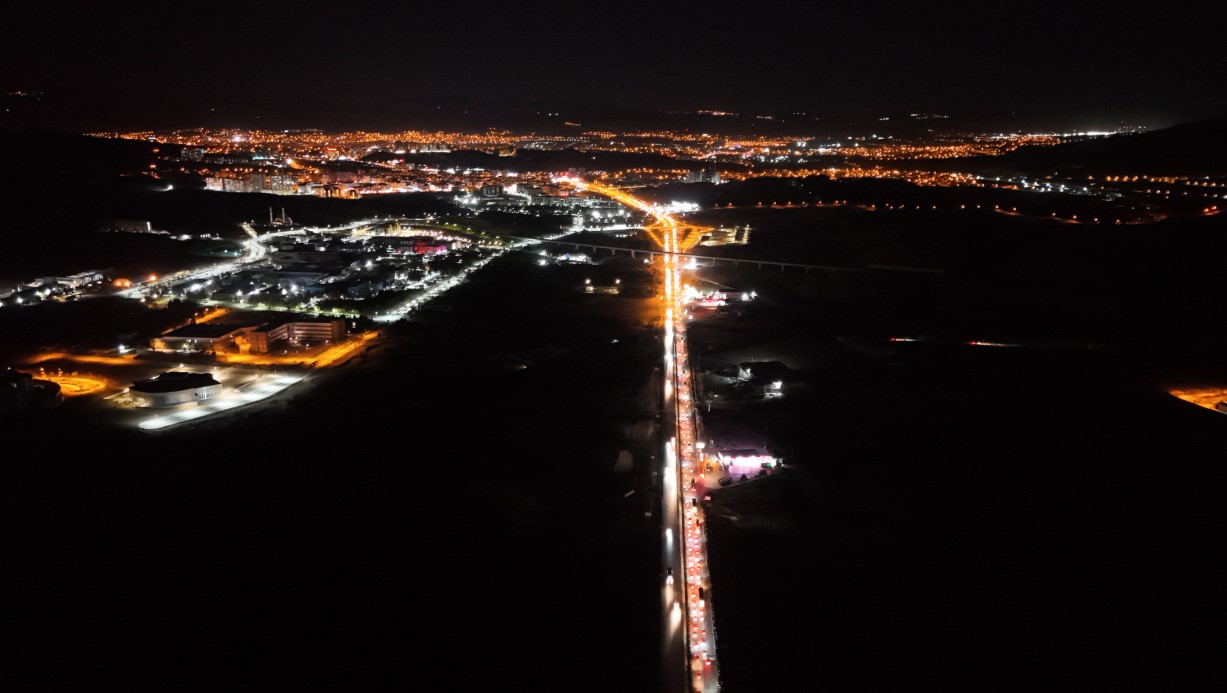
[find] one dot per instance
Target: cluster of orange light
(759, 143)
(642, 176)
(979, 147)
(670, 143)
(1204, 182)
(1208, 397)
(889, 150)
(691, 467)
(396, 178)
(670, 135)
(352, 144)
(938, 178)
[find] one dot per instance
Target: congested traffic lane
(694, 636)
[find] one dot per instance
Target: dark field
(46, 233)
(971, 518)
(442, 516)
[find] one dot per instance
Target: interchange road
(689, 647)
(256, 252)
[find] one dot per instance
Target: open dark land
(442, 513)
(973, 517)
(445, 513)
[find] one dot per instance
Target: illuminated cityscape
(657, 348)
(285, 299)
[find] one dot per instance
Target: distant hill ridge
(34, 154)
(1193, 148)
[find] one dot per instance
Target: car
(669, 577)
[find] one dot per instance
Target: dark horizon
(467, 114)
(152, 67)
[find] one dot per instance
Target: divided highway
(689, 646)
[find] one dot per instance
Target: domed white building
(175, 387)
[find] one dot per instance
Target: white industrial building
(175, 387)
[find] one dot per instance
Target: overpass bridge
(698, 260)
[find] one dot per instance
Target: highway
(695, 261)
(689, 629)
(256, 252)
(670, 234)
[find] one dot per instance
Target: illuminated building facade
(738, 235)
(197, 338)
(175, 387)
(266, 338)
(20, 390)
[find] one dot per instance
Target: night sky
(145, 64)
(444, 516)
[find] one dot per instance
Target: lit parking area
(260, 389)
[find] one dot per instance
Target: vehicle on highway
(669, 577)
